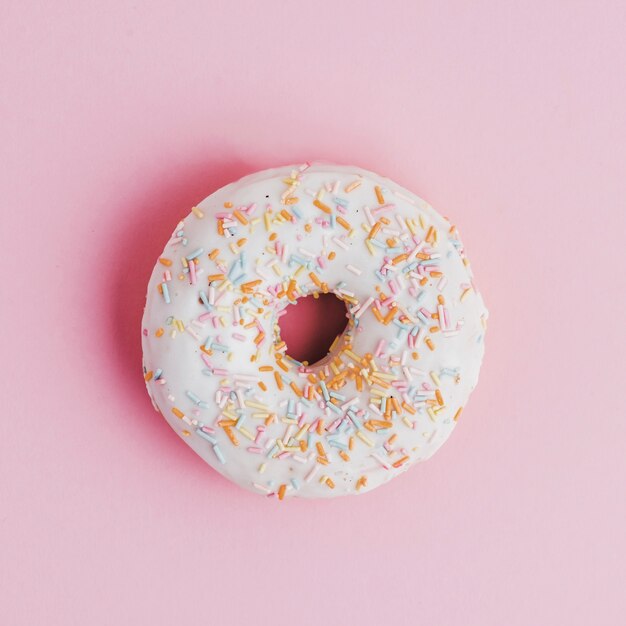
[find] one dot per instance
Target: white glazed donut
(393, 385)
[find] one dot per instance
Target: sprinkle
(379, 195)
(322, 206)
(218, 454)
(352, 186)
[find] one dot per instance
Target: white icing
(189, 385)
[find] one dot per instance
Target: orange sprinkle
(409, 408)
(343, 223)
(281, 491)
(315, 279)
(164, 261)
(379, 195)
(390, 315)
(439, 397)
(231, 435)
(250, 285)
(240, 217)
(401, 461)
(322, 206)
(279, 380)
(374, 230)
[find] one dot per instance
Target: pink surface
(116, 117)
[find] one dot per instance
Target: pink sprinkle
(380, 347)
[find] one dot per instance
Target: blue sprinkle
(206, 436)
(333, 407)
(337, 444)
(194, 254)
(324, 390)
(205, 301)
(218, 454)
(193, 397)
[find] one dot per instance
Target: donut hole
(310, 326)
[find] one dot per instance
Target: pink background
(116, 117)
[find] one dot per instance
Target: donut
(393, 385)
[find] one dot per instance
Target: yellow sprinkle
(465, 294)
(365, 439)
